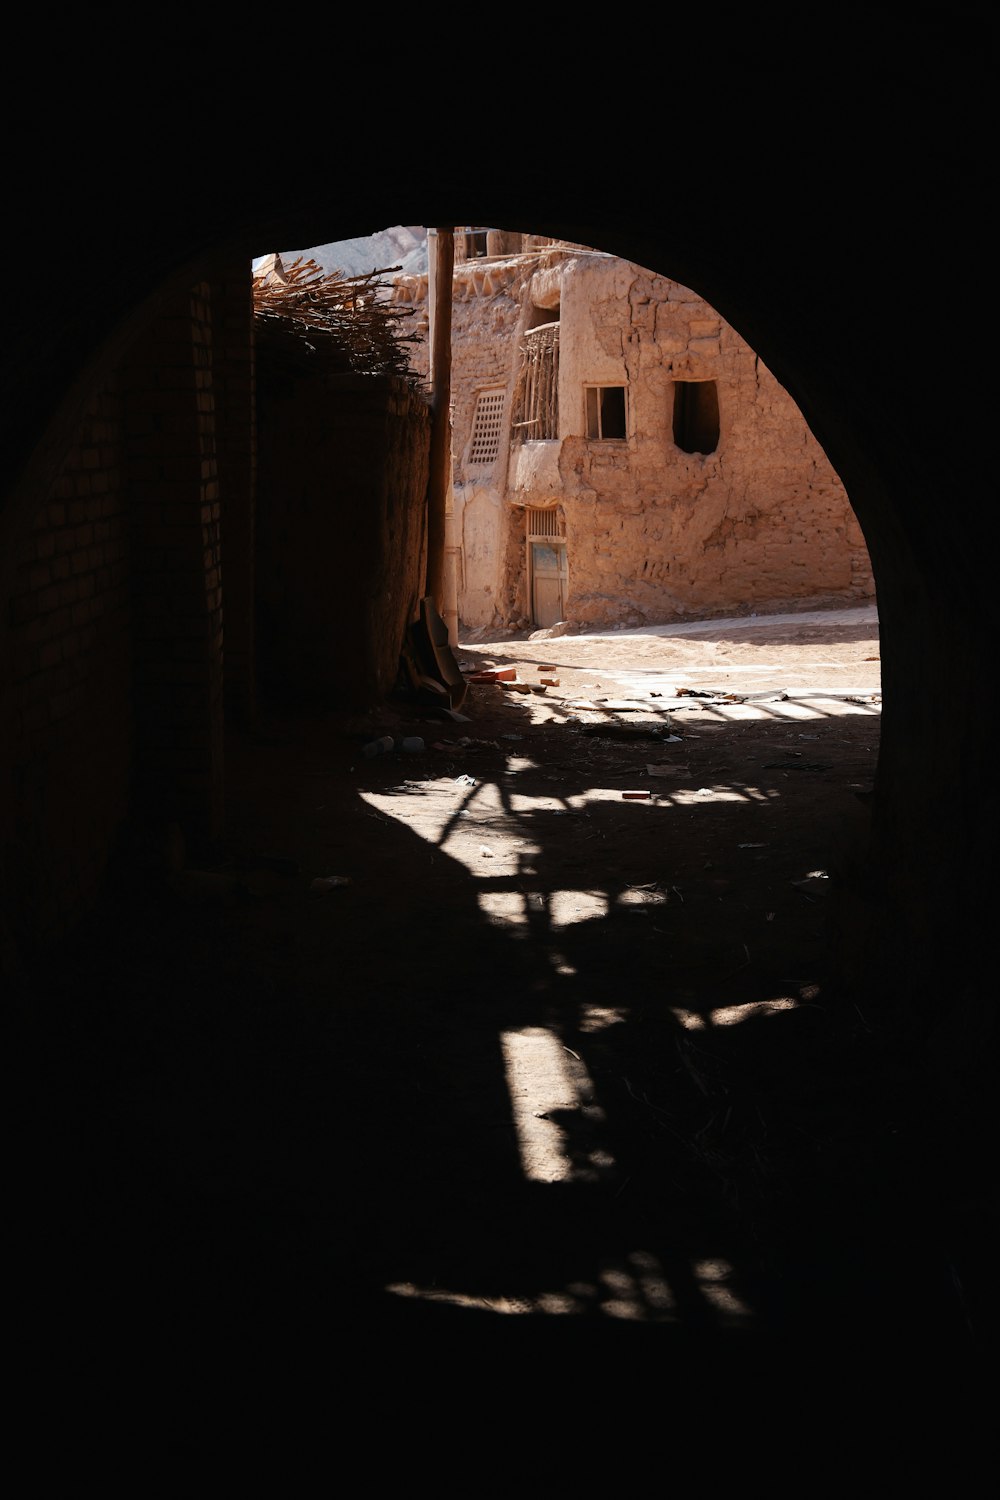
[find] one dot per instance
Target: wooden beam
(439, 478)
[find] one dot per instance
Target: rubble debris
(494, 674)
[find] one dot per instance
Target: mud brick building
(621, 456)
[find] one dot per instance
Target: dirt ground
(559, 1056)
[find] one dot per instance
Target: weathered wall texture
(342, 485)
(652, 532)
(487, 314)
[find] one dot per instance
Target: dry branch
(306, 317)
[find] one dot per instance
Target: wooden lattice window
(486, 427)
(536, 411)
(544, 524)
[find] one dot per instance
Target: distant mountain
(404, 245)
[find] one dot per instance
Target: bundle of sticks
(305, 315)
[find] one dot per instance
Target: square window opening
(696, 415)
(606, 413)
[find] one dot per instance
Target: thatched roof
(308, 319)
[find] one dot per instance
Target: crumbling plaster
(653, 533)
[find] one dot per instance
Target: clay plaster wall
(487, 315)
(653, 533)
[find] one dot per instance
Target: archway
(788, 278)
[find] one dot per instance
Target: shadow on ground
(255, 1120)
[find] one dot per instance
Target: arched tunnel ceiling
(812, 187)
(820, 184)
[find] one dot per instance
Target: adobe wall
(487, 315)
(654, 532)
(342, 488)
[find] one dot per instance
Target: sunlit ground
(491, 828)
(487, 827)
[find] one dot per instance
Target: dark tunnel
(855, 266)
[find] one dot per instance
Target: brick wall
(69, 689)
(111, 637)
(170, 455)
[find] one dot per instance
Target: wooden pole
(442, 246)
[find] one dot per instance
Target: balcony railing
(536, 396)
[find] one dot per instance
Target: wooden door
(549, 578)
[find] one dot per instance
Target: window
(605, 412)
(696, 415)
(475, 244)
(485, 442)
